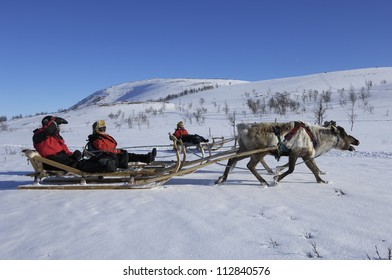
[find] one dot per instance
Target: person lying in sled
(50, 144)
(103, 145)
(181, 133)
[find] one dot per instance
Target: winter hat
(180, 124)
(46, 119)
(99, 125)
(57, 120)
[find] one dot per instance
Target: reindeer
(300, 141)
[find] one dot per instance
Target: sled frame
(135, 176)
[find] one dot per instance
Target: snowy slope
(153, 89)
(190, 217)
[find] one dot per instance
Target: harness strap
(297, 126)
(282, 148)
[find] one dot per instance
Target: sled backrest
(89, 151)
(31, 155)
(37, 162)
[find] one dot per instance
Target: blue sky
(54, 53)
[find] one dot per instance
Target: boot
(139, 158)
(153, 155)
(146, 158)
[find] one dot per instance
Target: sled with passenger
(136, 176)
(205, 148)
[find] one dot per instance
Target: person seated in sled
(103, 145)
(188, 139)
(51, 145)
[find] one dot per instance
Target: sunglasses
(102, 129)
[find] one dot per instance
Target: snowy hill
(190, 217)
(169, 89)
(151, 90)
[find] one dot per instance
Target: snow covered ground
(189, 217)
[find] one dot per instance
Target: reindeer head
(345, 141)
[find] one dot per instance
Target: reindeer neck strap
(297, 126)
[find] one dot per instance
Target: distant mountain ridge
(160, 89)
(151, 90)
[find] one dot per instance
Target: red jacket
(104, 142)
(179, 132)
(47, 141)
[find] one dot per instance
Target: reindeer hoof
(322, 182)
(220, 180)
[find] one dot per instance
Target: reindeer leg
(230, 165)
(266, 167)
(311, 164)
(319, 171)
(281, 167)
(292, 161)
(254, 160)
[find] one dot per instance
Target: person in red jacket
(181, 133)
(102, 144)
(50, 144)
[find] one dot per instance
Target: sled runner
(134, 177)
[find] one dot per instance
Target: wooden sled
(134, 177)
(203, 148)
(219, 142)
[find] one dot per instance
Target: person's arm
(41, 134)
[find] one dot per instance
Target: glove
(77, 155)
(59, 120)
